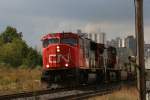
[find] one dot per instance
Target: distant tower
(98, 37)
(102, 38)
(119, 41)
(130, 42)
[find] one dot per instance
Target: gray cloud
(72, 9)
(36, 17)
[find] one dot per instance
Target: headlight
(58, 50)
(58, 47)
(66, 65)
(47, 66)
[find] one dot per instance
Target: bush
(15, 52)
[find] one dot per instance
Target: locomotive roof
(59, 35)
(67, 34)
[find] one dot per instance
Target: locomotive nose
(59, 56)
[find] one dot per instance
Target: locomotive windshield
(50, 41)
(70, 41)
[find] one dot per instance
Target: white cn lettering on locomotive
(53, 58)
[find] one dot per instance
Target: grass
(19, 80)
(126, 93)
(23, 79)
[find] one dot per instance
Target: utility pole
(139, 30)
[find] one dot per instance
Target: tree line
(15, 52)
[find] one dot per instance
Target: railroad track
(70, 93)
(32, 94)
(107, 89)
(39, 93)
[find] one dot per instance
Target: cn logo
(53, 58)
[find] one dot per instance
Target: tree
(9, 34)
(15, 52)
(1, 41)
(33, 58)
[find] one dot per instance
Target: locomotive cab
(59, 51)
(60, 56)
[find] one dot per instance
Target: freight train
(72, 57)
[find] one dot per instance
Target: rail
(89, 93)
(69, 93)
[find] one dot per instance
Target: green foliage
(9, 34)
(31, 58)
(15, 52)
(1, 41)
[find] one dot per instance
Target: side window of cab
(45, 43)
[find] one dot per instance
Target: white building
(98, 37)
(117, 42)
(147, 63)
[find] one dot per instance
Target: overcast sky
(37, 17)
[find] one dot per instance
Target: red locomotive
(70, 56)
